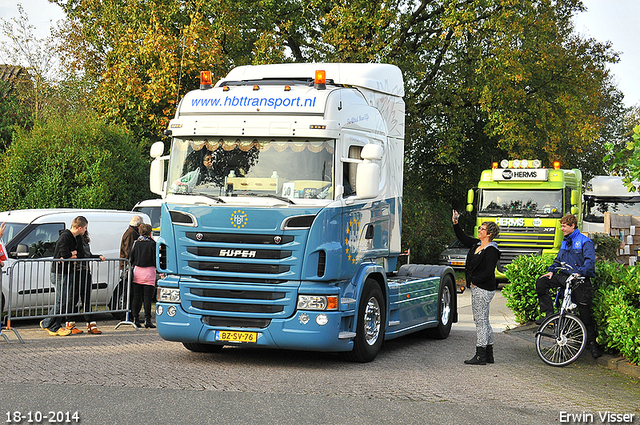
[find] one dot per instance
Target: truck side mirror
(368, 175)
(156, 172)
(575, 199)
(470, 196)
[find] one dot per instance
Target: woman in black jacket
(143, 261)
(479, 270)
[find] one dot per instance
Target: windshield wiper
(207, 195)
(269, 195)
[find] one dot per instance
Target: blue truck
(281, 220)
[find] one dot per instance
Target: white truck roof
(604, 186)
(379, 77)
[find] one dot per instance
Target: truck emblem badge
(537, 222)
(239, 219)
(277, 239)
(199, 236)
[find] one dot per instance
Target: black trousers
(583, 296)
(142, 294)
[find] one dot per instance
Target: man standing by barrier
(62, 276)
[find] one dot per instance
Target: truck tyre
(370, 324)
(445, 309)
(196, 347)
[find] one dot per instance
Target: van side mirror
(22, 251)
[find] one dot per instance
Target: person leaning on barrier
(129, 237)
(578, 251)
(62, 276)
(83, 284)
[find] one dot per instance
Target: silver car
(455, 255)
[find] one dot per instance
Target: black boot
(480, 357)
(489, 353)
(149, 325)
(136, 321)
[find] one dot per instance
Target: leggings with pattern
(480, 300)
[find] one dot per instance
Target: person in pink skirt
(143, 261)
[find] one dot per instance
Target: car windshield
(529, 203)
(595, 208)
(11, 230)
(291, 168)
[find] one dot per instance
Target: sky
(605, 20)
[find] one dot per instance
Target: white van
(32, 234)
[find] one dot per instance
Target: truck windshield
(528, 203)
(291, 168)
(596, 207)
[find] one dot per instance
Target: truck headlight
(317, 302)
(168, 295)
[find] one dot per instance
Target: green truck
(527, 201)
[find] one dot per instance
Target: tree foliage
(76, 161)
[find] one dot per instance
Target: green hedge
(616, 303)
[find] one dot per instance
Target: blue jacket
(577, 250)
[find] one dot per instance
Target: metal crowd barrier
(92, 286)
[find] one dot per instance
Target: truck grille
(507, 255)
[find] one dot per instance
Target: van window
(11, 230)
(153, 213)
(41, 240)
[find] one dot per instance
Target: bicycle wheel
(560, 341)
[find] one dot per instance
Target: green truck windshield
(526, 203)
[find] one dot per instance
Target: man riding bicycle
(576, 250)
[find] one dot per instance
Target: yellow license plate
(230, 336)
(457, 263)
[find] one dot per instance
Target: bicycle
(561, 338)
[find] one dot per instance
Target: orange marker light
(556, 165)
(256, 87)
(332, 303)
(494, 165)
(205, 79)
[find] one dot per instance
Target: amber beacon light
(205, 80)
(320, 80)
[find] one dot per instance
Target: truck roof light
(516, 163)
(320, 80)
(205, 80)
(504, 163)
(494, 165)
(225, 88)
(556, 165)
(536, 163)
(525, 163)
(256, 87)
(287, 88)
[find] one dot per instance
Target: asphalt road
(127, 376)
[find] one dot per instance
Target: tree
(626, 161)
(39, 56)
(73, 161)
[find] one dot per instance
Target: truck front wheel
(370, 326)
